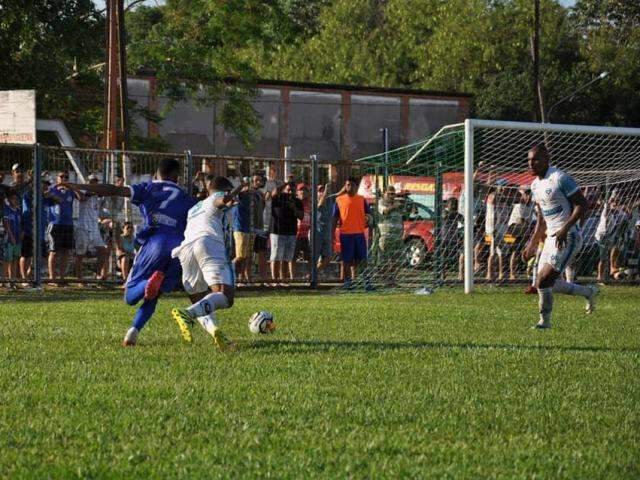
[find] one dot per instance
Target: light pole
(571, 95)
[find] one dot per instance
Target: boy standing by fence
(12, 223)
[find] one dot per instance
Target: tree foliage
(196, 47)
(42, 42)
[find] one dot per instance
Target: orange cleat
(152, 290)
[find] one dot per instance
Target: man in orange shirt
(350, 213)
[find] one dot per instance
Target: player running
(560, 206)
(164, 206)
(207, 271)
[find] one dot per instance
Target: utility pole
(116, 121)
(535, 53)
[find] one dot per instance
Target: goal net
(421, 194)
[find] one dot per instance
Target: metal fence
(27, 261)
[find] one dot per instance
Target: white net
(606, 165)
(417, 238)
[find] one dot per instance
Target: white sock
(209, 323)
(569, 288)
(545, 296)
(570, 274)
(210, 303)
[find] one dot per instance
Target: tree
(46, 45)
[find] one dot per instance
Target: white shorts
(283, 247)
(88, 240)
(204, 265)
(560, 259)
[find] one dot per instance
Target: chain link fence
(99, 248)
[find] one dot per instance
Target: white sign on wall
(18, 116)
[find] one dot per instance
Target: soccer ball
(261, 322)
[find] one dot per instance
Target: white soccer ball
(261, 322)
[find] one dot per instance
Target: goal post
(463, 209)
(495, 156)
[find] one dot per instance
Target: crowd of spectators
(86, 235)
(79, 231)
(611, 233)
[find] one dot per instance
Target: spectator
(390, 227)
(60, 228)
(606, 236)
(452, 237)
(27, 228)
(495, 226)
(261, 234)
(12, 223)
(351, 215)
(587, 259)
(286, 210)
(620, 235)
(632, 270)
(125, 249)
(19, 183)
(87, 233)
(115, 205)
(304, 225)
(242, 232)
(326, 204)
(519, 227)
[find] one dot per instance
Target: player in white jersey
(560, 206)
(207, 271)
(87, 232)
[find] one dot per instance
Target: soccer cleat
(591, 301)
(152, 289)
(542, 325)
(271, 327)
(184, 321)
(223, 342)
(531, 290)
(131, 337)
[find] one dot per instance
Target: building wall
(339, 123)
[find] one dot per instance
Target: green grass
(447, 386)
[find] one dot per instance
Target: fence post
(314, 221)
(385, 149)
(189, 171)
(37, 220)
(126, 177)
(437, 253)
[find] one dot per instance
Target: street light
(571, 95)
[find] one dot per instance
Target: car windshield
(416, 211)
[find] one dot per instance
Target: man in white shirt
(205, 255)
(560, 206)
(87, 231)
(518, 227)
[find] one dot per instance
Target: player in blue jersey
(164, 206)
(560, 206)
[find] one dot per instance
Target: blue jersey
(61, 210)
(27, 214)
(164, 206)
(242, 213)
(13, 216)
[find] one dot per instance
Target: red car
(417, 233)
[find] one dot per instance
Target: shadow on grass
(61, 296)
(328, 345)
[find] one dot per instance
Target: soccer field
(362, 386)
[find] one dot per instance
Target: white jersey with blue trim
(552, 194)
(206, 220)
